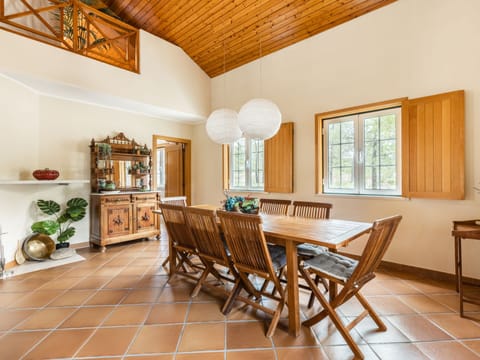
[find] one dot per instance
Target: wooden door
(174, 170)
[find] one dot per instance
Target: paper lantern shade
(259, 119)
(222, 126)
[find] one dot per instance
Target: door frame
(187, 162)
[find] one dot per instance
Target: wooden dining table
(290, 231)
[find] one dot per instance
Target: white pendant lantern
(222, 126)
(259, 119)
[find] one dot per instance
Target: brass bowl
(38, 247)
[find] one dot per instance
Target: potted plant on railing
(74, 211)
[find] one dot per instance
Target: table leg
(457, 240)
(459, 271)
(292, 289)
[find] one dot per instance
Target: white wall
(409, 48)
(40, 131)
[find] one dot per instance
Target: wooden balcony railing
(74, 26)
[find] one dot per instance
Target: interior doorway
(172, 166)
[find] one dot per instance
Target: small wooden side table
(468, 229)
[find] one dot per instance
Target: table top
(469, 229)
(331, 233)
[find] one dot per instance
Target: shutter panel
(433, 147)
(279, 161)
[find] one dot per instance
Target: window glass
(247, 164)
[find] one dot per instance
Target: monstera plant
(75, 210)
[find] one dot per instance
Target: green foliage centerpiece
(241, 204)
(75, 211)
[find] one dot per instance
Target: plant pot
(62, 245)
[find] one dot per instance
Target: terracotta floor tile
(108, 270)
(107, 297)
(87, 317)
(268, 354)
(123, 282)
(389, 305)
(11, 285)
(337, 352)
(108, 342)
(203, 337)
(418, 328)
(375, 288)
(242, 335)
(205, 312)
(128, 315)
(151, 281)
(201, 356)
(432, 287)
(48, 318)
(151, 357)
(175, 294)
(452, 301)
(398, 287)
(8, 298)
(301, 353)
(424, 304)
(456, 326)
(72, 298)
(167, 314)
(133, 270)
(36, 299)
(446, 350)
(156, 339)
(142, 296)
(60, 344)
(473, 345)
(368, 330)
(14, 345)
(59, 284)
(281, 337)
(10, 319)
(399, 352)
(92, 282)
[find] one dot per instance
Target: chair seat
(278, 255)
(310, 250)
(335, 265)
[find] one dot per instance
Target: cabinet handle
(117, 220)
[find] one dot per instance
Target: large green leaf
(77, 202)
(67, 234)
(48, 227)
(62, 219)
(48, 207)
(76, 213)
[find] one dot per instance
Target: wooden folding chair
(181, 240)
(210, 247)
(274, 206)
(312, 210)
(173, 200)
(252, 256)
(352, 275)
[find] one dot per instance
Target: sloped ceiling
(220, 35)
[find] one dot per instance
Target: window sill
(366, 196)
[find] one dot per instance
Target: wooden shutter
(174, 170)
(279, 161)
(433, 148)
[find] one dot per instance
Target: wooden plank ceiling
(220, 35)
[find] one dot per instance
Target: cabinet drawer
(144, 197)
(115, 199)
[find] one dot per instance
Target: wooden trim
(82, 245)
(187, 162)
(10, 264)
(381, 105)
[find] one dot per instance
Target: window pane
(348, 153)
(371, 129)
(371, 153)
(347, 178)
(334, 156)
(388, 177)
(347, 132)
(334, 133)
(388, 152)
(335, 180)
(388, 127)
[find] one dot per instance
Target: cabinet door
(145, 218)
(118, 220)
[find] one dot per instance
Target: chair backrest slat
(274, 206)
(246, 242)
(204, 227)
(177, 229)
(174, 200)
(313, 210)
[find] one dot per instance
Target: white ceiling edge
(73, 93)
